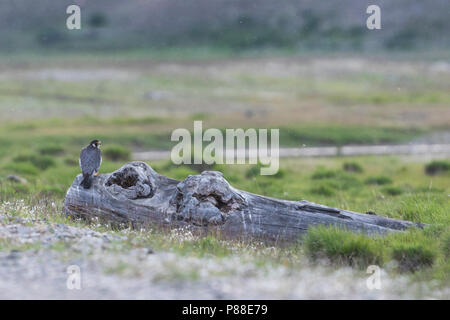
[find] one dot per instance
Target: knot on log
(134, 180)
(205, 199)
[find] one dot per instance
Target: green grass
(412, 251)
(255, 170)
(422, 198)
(392, 191)
(323, 190)
(24, 168)
(341, 135)
(413, 257)
(52, 119)
(437, 167)
(42, 162)
(423, 253)
(352, 167)
(342, 247)
(378, 180)
(323, 174)
(116, 153)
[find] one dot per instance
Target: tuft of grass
(341, 135)
(437, 167)
(413, 257)
(11, 190)
(51, 149)
(180, 172)
(205, 246)
(413, 250)
(378, 180)
(333, 180)
(352, 167)
(446, 245)
(26, 168)
(200, 167)
(39, 161)
(43, 162)
(323, 174)
(255, 171)
(116, 153)
(134, 121)
(323, 190)
(71, 161)
(392, 191)
(279, 175)
(342, 247)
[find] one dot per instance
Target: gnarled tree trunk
(136, 194)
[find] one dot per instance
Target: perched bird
(90, 161)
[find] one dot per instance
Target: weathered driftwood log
(136, 194)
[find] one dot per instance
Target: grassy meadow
(53, 106)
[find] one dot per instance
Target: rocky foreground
(36, 255)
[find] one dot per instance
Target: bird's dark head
(95, 143)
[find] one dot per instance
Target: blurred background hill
(234, 25)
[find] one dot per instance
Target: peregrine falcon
(90, 161)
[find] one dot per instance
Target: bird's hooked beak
(99, 143)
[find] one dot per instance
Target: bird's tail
(87, 181)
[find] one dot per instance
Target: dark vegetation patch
(378, 180)
(327, 180)
(116, 153)
(413, 250)
(342, 247)
(39, 161)
(322, 190)
(342, 135)
(25, 168)
(392, 190)
(51, 149)
(437, 167)
(255, 171)
(446, 244)
(352, 167)
(323, 174)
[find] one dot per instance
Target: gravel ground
(40, 270)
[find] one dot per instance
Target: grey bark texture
(136, 194)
